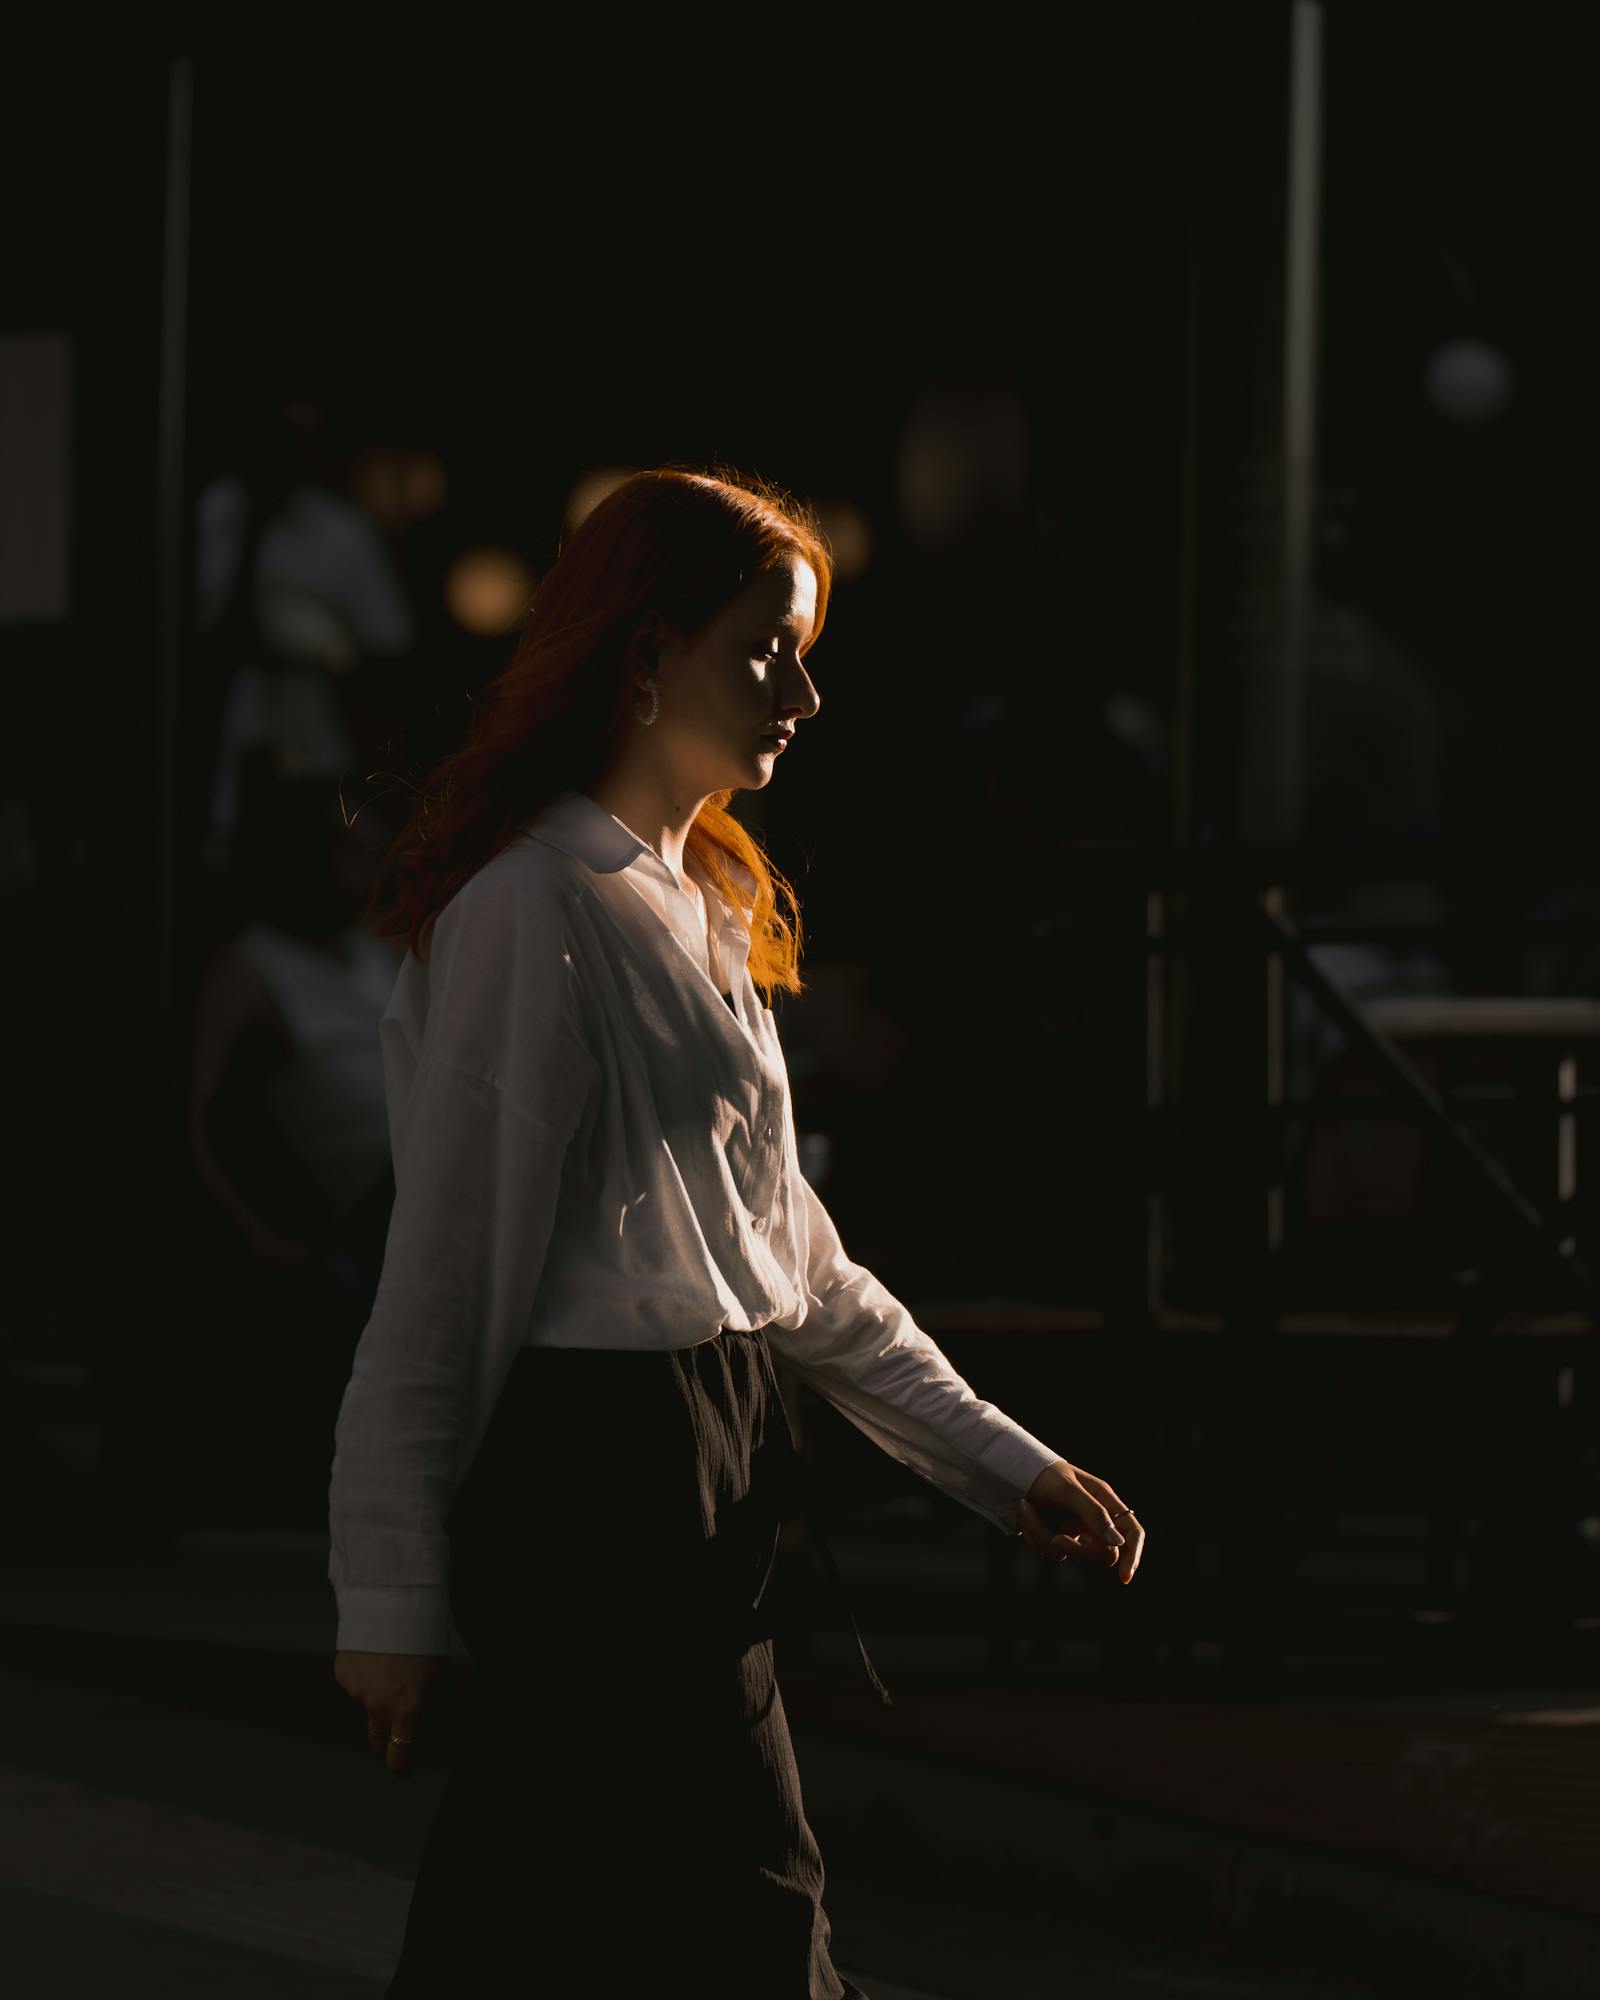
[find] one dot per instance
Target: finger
(1103, 1491)
(1114, 1521)
(1033, 1529)
(1087, 1548)
(1096, 1521)
(1092, 1511)
(1111, 1528)
(401, 1739)
(1059, 1544)
(377, 1728)
(1125, 1560)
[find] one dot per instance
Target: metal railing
(1318, 1478)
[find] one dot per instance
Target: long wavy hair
(674, 540)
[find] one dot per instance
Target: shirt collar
(582, 827)
(579, 826)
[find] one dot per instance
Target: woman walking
(562, 1426)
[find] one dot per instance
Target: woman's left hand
(1068, 1512)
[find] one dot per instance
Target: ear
(643, 654)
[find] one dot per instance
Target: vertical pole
(1157, 1142)
(1285, 784)
(1567, 1138)
(169, 533)
(1183, 731)
(1303, 213)
(142, 1461)
(161, 1370)
(1168, 1008)
(1275, 1093)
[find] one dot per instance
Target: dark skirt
(625, 1816)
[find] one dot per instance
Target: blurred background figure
(289, 1140)
(294, 588)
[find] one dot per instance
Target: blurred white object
(327, 1096)
(299, 626)
(1468, 381)
(317, 545)
(816, 1156)
(326, 594)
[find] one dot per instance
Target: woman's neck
(645, 810)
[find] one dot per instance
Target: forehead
(785, 594)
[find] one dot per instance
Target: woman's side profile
(562, 1428)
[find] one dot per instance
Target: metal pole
(1299, 404)
(169, 528)
(171, 873)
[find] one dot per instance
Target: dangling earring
(655, 704)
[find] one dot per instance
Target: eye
(761, 655)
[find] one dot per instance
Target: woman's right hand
(392, 1688)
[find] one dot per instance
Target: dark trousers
(626, 1816)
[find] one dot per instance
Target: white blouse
(592, 1148)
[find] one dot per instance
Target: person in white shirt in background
(321, 592)
(289, 1141)
(595, 1163)
(303, 977)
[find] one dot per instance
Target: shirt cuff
(1009, 1464)
(378, 1618)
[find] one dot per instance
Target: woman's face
(724, 692)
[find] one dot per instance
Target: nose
(800, 694)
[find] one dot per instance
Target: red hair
(672, 540)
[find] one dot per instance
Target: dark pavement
(189, 1808)
(148, 1851)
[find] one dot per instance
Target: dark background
(534, 248)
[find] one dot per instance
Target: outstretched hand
(1068, 1513)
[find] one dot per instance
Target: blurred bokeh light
(488, 591)
(398, 487)
(849, 534)
(592, 488)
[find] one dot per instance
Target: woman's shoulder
(525, 868)
(526, 886)
(506, 962)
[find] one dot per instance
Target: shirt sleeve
(370, 592)
(502, 1076)
(859, 1347)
